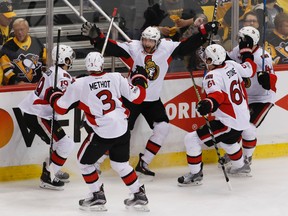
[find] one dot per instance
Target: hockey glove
(210, 27)
(90, 30)
(52, 94)
(264, 79)
(139, 77)
(245, 47)
(207, 105)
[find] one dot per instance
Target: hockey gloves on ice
(139, 77)
(264, 79)
(207, 106)
(245, 47)
(52, 94)
(90, 30)
(208, 28)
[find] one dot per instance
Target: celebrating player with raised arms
(155, 55)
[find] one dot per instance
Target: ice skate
(46, 183)
(138, 202)
(242, 171)
(190, 179)
(248, 160)
(142, 167)
(63, 176)
(95, 202)
(225, 160)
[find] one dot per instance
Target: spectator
(276, 41)
(6, 16)
(272, 9)
(251, 19)
(23, 56)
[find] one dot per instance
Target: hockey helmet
(214, 54)
(65, 52)
(251, 32)
(94, 61)
(152, 33)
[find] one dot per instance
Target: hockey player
(261, 88)
(38, 115)
(155, 55)
(226, 98)
(99, 96)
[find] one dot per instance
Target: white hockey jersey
(156, 63)
(256, 93)
(226, 86)
(34, 103)
(100, 97)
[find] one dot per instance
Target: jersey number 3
(106, 97)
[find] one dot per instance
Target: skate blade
(98, 208)
(197, 183)
(240, 175)
(140, 208)
(144, 178)
(64, 180)
(50, 187)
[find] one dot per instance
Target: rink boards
(22, 153)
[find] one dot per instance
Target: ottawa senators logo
(28, 64)
(151, 68)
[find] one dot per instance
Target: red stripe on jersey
(58, 109)
(130, 178)
(40, 101)
(236, 156)
(129, 62)
(141, 96)
(169, 60)
(192, 160)
(227, 107)
(218, 96)
(89, 116)
(84, 144)
(55, 158)
(91, 178)
(273, 80)
(253, 64)
(249, 143)
(152, 147)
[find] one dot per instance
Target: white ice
(265, 194)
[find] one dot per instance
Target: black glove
(264, 79)
(245, 47)
(139, 77)
(204, 106)
(210, 27)
(90, 30)
(52, 94)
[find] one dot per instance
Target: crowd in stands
(28, 56)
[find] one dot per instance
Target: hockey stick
(264, 37)
(108, 32)
(220, 160)
(53, 111)
(103, 49)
